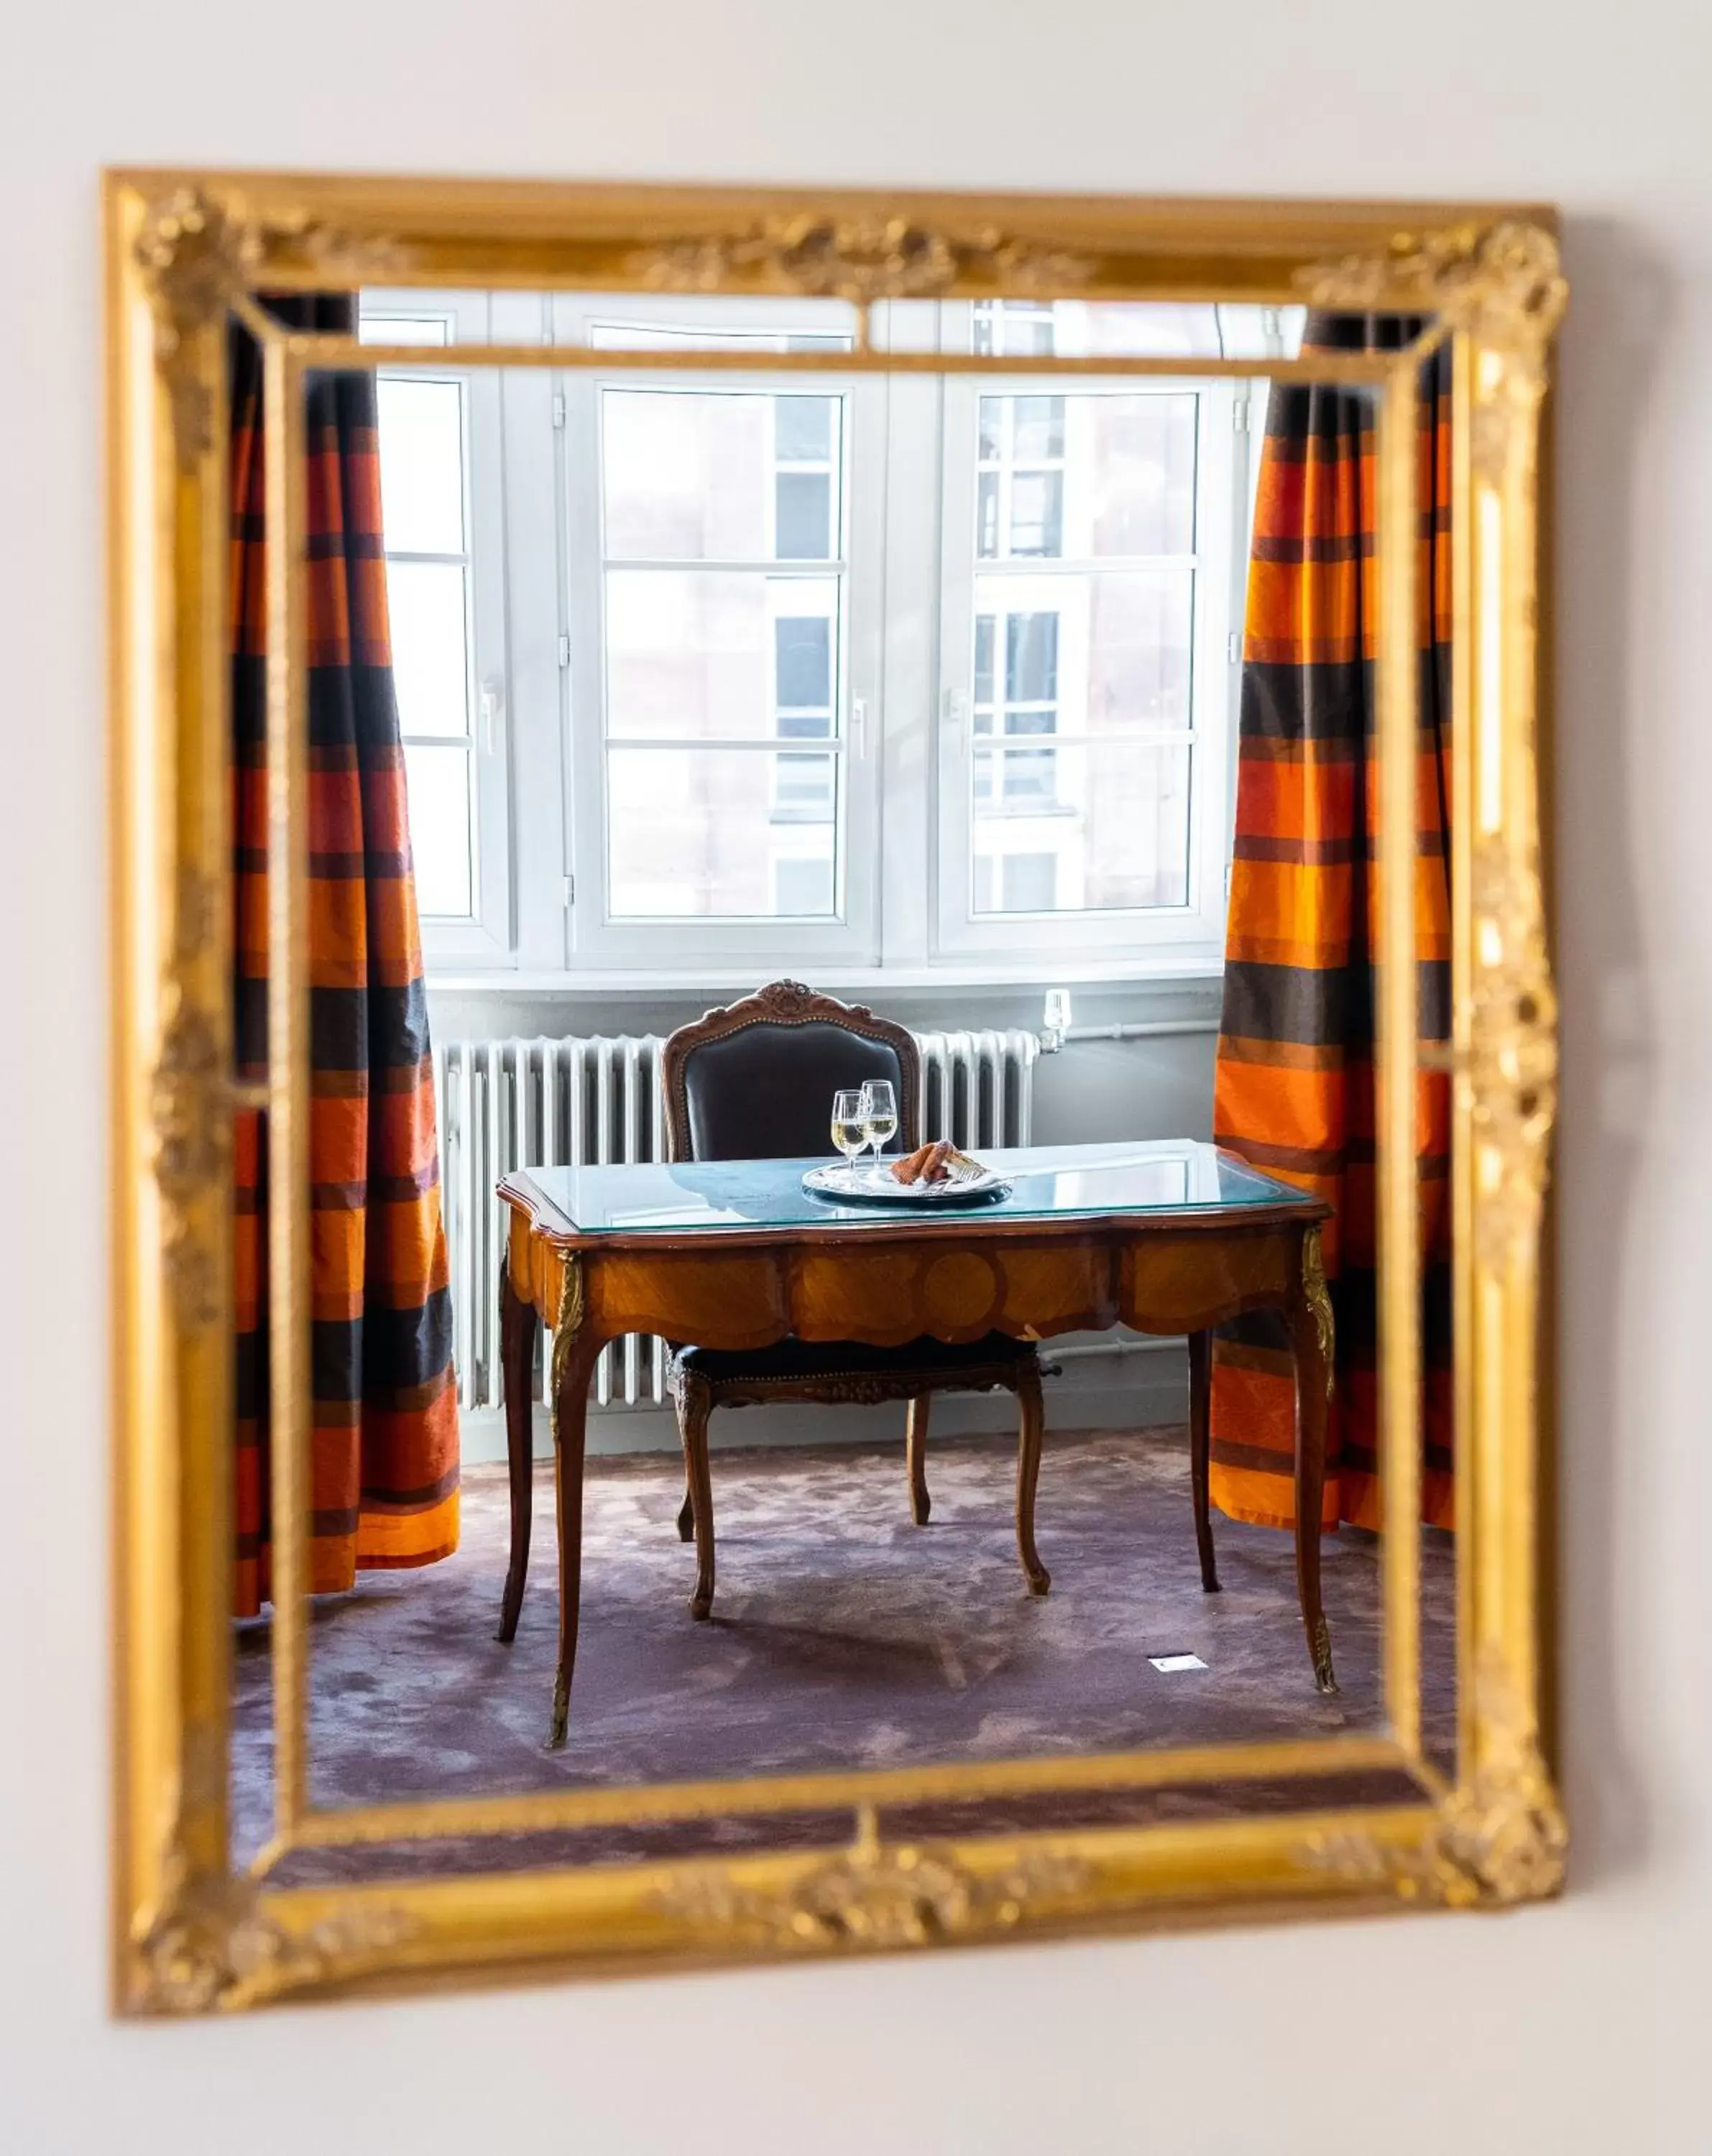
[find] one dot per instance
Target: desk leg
(1200, 1387)
(1028, 1471)
(695, 1404)
(1311, 1331)
(915, 1456)
(517, 1328)
(574, 1353)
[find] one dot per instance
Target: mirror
(1076, 716)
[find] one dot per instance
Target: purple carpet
(842, 1636)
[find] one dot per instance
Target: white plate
(967, 1184)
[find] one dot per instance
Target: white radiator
(519, 1103)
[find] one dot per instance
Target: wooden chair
(755, 1082)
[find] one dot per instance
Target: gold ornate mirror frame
(187, 250)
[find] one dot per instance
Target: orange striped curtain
(1295, 1086)
(384, 1444)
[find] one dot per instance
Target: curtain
(384, 1441)
(1294, 1085)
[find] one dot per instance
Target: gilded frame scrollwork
(186, 251)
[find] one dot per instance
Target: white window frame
(532, 459)
(486, 936)
(850, 936)
(1191, 935)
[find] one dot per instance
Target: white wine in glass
(879, 1115)
(848, 1132)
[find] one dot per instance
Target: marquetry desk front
(1164, 1238)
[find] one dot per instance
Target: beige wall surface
(1579, 2027)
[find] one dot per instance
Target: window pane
(1031, 658)
(1029, 882)
(1111, 818)
(1077, 328)
(691, 477)
(802, 428)
(1039, 430)
(987, 515)
(803, 888)
(984, 659)
(399, 329)
(430, 664)
(1140, 463)
(804, 524)
(1112, 651)
(704, 832)
(1091, 476)
(438, 782)
(803, 643)
(422, 465)
(805, 788)
(690, 653)
(1037, 514)
(620, 330)
(1013, 327)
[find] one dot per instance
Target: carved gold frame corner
(186, 250)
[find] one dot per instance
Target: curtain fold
(384, 1440)
(1294, 1082)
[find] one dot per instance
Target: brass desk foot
(1322, 1643)
(561, 1711)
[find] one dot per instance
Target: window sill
(1165, 969)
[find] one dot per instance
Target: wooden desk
(1167, 1239)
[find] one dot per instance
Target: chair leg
(1201, 1380)
(1028, 1468)
(915, 1455)
(695, 1403)
(687, 1510)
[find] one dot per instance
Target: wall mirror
(600, 675)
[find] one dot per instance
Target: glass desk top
(1048, 1183)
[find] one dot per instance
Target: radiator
(522, 1103)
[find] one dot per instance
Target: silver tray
(968, 1183)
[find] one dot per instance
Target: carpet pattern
(842, 1636)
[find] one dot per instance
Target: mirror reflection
(692, 743)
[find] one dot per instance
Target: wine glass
(848, 1127)
(879, 1115)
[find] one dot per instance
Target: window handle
(859, 726)
(493, 701)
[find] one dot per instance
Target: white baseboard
(1139, 1389)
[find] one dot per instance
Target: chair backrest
(755, 1082)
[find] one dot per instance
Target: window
(445, 620)
(723, 600)
(1087, 598)
(710, 624)
(728, 628)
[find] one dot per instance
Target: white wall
(1581, 2027)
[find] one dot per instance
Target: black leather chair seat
(808, 1362)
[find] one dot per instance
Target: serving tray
(967, 1184)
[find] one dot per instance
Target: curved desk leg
(1200, 1383)
(1028, 1469)
(695, 1404)
(574, 1353)
(517, 1327)
(1311, 1331)
(915, 1457)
